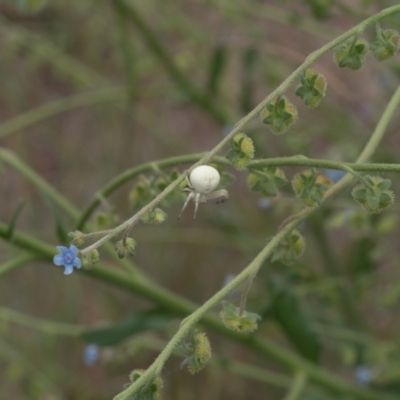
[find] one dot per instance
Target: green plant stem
(294, 161)
(174, 303)
(126, 47)
(58, 106)
(52, 328)
(11, 159)
(243, 122)
(16, 262)
(254, 266)
(299, 383)
(346, 296)
(199, 97)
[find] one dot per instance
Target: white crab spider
(202, 181)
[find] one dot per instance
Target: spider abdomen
(204, 179)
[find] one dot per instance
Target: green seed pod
(374, 197)
(233, 320)
(290, 248)
(241, 152)
(197, 351)
(351, 54)
(312, 88)
(309, 188)
(154, 217)
(279, 114)
(387, 45)
(125, 247)
(149, 392)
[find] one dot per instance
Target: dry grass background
(74, 47)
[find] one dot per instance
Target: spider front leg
(190, 196)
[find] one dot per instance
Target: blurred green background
(170, 79)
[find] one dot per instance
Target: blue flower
(91, 354)
(334, 175)
(67, 258)
(362, 375)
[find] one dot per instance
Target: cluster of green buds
(155, 217)
(197, 351)
(279, 114)
(266, 180)
(77, 238)
(289, 249)
(310, 187)
(125, 246)
(386, 45)
(351, 54)
(90, 259)
(373, 194)
(312, 88)
(238, 320)
(150, 391)
(241, 152)
(148, 188)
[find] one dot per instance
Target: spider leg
(190, 196)
(220, 195)
(196, 202)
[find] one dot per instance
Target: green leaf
(14, 219)
(137, 322)
(287, 311)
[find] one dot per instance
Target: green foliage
(266, 180)
(289, 249)
(287, 310)
(31, 6)
(137, 322)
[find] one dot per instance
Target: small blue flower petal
(91, 354)
(68, 258)
(77, 262)
(58, 260)
(68, 270)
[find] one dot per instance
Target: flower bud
(312, 88)
(235, 321)
(279, 114)
(125, 247)
(351, 54)
(90, 259)
(77, 238)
